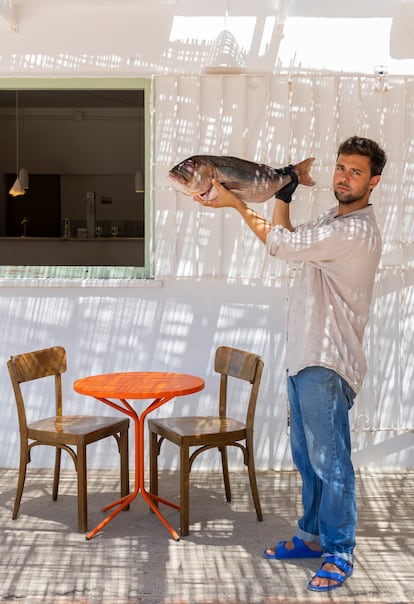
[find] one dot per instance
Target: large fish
(252, 182)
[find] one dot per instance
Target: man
(329, 309)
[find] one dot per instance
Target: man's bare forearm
(259, 225)
(281, 215)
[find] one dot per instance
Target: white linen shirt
(329, 308)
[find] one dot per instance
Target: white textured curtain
(281, 119)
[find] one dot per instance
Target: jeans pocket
(350, 395)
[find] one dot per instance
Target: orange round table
(160, 386)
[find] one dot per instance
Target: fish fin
(228, 184)
(232, 186)
(302, 169)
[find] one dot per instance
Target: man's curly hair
(357, 145)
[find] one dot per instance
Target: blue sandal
(301, 550)
(333, 576)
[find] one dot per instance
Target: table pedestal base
(123, 503)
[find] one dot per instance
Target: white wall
(216, 285)
(175, 327)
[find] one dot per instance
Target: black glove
(286, 193)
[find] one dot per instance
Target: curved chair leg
(184, 490)
(20, 481)
(253, 484)
(225, 466)
(56, 474)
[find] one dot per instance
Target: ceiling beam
(402, 32)
(8, 12)
(339, 8)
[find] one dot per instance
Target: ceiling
(400, 12)
(343, 8)
(9, 9)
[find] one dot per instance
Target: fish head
(193, 175)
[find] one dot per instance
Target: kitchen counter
(57, 251)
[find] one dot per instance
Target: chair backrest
(32, 366)
(243, 365)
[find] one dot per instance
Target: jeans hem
(349, 558)
(301, 534)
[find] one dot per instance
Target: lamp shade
(24, 178)
(17, 188)
(226, 56)
(139, 182)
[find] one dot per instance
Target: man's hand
(225, 198)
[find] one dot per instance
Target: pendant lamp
(17, 187)
(24, 178)
(139, 182)
(226, 56)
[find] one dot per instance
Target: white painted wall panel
(218, 284)
(348, 106)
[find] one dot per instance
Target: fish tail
(302, 169)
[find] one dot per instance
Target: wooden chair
(210, 432)
(64, 432)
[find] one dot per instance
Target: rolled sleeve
(326, 239)
(273, 240)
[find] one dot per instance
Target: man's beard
(348, 198)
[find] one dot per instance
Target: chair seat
(68, 428)
(199, 428)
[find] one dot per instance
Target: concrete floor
(43, 559)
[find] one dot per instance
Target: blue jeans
(320, 439)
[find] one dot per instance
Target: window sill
(80, 283)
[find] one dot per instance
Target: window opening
(83, 152)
